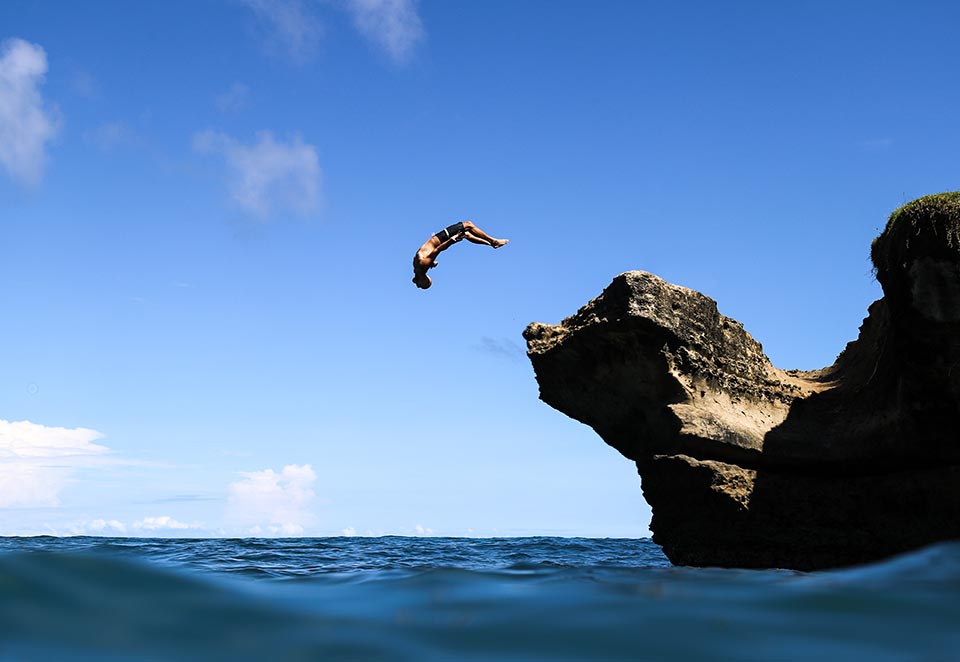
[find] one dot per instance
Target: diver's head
(422, 280)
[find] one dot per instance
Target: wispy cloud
(392, 25)
(502, 347)
(270, 503)
(188, 498)
(84, 84)
(112, 135)
(233, 99)
(289, 27)
(27, 124)
(36, 462)
(269, 175)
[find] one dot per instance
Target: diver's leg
(474, 239)
(481, 237)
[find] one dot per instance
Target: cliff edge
(747, 465)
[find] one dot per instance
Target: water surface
(396, 598)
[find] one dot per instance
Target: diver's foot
(497, 243)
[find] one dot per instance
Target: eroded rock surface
(748, 465)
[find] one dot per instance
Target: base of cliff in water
(747, 465)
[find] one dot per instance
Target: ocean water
(397, 598)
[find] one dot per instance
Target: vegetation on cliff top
(925, 227)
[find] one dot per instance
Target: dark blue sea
(424, 599)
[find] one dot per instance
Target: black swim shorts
(449, 231)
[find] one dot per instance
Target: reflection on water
(441, 599)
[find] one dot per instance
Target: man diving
(426, 257)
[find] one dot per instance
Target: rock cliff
(747, 465)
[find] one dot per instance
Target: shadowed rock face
(748, 465)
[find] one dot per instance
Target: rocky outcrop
(747, 465)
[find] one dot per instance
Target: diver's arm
(449, 242)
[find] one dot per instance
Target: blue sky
(208, 212)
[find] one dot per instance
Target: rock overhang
(734, 453)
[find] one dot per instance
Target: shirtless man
(426, 257)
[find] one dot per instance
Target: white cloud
(421, 530)
(271, 503)
(23, 484)
(36, 461)
(269, 175)
(26, 124)
(162, 523)
(349, 532)
(392, 25)
(23, 439)
(290, 28)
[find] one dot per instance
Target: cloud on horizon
(146, 527)
(268, 176)
(37, 462)
(98, 527)
(392, 25)
(27, 124)
(162, 523)
(270, 503)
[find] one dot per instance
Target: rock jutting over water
(747, 465)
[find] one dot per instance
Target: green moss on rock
(925, 227)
